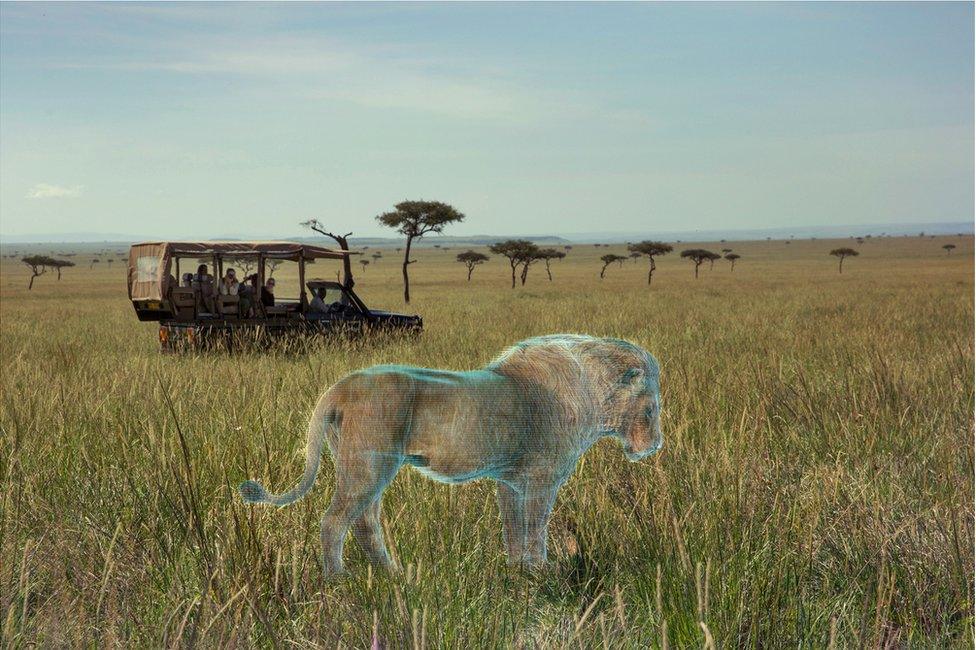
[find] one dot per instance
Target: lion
(524, 421)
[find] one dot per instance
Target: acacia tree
(652, 249)
(841, 253)
(61, 264)
(343, 241)
(549, 254)
(244, 264)
(732, 257)
(273, 266)
(93, 263)
(634, 256)
(609, 259)
(377, 256)
(712, 257)
(530, 258)
(696, 255)
(471, 259)
(38, 265)
(948, 248)
(519, 252)
(415, 219)
(365, 263)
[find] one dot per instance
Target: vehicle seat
(228, 306)
(184, 303)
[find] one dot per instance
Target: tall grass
(815, 488)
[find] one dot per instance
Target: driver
(318, 302)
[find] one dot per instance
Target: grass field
(815, 487)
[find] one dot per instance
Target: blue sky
(195, 120)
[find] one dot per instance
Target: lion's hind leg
(361, 481)
(368, 531)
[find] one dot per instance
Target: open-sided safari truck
(193, 313)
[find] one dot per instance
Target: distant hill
(604, 237)
(442, 241)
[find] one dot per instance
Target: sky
(203, 120)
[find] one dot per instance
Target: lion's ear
(632, 376)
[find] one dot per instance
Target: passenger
(229, 286)
(203, 283)
(318, 302)
(267, 295)
(202, 275)
(187, 280)
(246, 293)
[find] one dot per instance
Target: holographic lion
(523, 421)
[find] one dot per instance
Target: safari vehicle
(192, 313)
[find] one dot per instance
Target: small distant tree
(732, 257)
(110, 260)
(520, 252)
(471, 259)
(272, 266)
(343, 241)
(93, 263)
(414, 219)
(715, 256)
(567, 248)
(377, 256)
(547, 255)
(726, 250)
(244, 264)
(61, 264)
(840, 254)
(365, 263)
(609, 259)
(696, 255)
(634, 256)
(39, 265)
(948, 248)
(652, 249)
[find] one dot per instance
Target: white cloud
(48, 191)
(390, 76)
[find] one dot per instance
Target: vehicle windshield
(330, 296)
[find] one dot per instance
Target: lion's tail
(324, 416)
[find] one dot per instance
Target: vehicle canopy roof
(150, 262)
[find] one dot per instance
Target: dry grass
(816, 485)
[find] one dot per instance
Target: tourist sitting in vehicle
(267, 294)
(187, 280)
(202, 275)
(246, 292)
(228, 285)
(203, 285)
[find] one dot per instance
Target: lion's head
(628, 377)
(618, 379)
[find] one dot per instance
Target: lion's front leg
(538, 501)
(513, 521)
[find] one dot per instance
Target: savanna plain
(815, 487)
